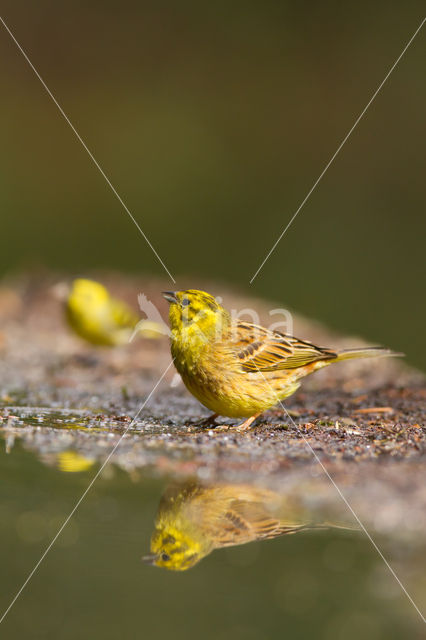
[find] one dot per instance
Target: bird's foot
(244, 426)
(222, 427)
(209, 421)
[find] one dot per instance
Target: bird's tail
(365, 352)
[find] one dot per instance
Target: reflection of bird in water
(193, 520)
(68, 461)
(99, 318)
(73, 462)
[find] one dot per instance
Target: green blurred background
(213, 120)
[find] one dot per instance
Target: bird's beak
(150, 559)
(170, 296)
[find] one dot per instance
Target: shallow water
(323, 582)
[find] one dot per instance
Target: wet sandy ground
(365, 421)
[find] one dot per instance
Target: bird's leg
(247, 423)
(208, 421)
(224, 427)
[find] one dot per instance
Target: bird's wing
(244, 522)
(259, 349)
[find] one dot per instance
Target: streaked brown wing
(246, 522)
(259, 349)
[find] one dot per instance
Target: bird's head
(173, 549)
(87, 293)
(196, 316)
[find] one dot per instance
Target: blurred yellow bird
(239, 369)
(193, 520)
(101, 319)
(73, 462)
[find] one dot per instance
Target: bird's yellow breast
(216, 380)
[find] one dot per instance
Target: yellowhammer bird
(101, 319)
(238, 369)
(193, 520)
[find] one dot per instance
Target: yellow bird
(238, 369)
(101, 319)
(193, 520)
(73, 462)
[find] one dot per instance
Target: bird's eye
(185, 302)
(165, 557)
